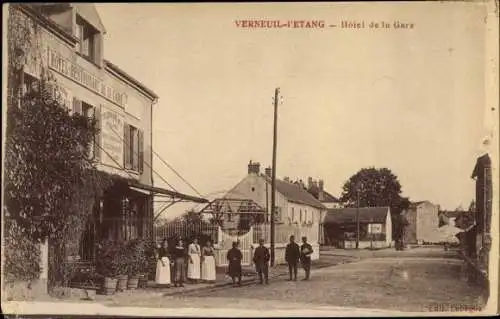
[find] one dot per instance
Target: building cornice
(116, 71)
(48, 24)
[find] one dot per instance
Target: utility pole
(273, 172)
(357, 217)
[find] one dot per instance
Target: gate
(225, 242)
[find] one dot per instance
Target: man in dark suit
(292, 256)
(305, 256)
(261, 260)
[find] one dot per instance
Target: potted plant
(145, 252)
(107, 266)
(122, 260)
(133, 250)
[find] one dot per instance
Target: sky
(411, 100)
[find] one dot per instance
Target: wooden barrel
(122, 282)
(143, 281)
(133, 282)
(109, 285)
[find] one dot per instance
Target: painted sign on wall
(112, 138)
(78, 74)
(375, 228)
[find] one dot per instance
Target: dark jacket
(292, 253)
(306, 257)
(261, 255)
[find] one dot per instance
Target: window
(133, 148)
(87, 39)
(300, 216)
(293, 214)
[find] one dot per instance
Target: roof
(348, 215)
(329, 198)
(131, 79)
(295, 193)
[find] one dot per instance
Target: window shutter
(141, 151)
(134, 149)
(77, 106)
(126, 146)
(98, 49)
(97, 136)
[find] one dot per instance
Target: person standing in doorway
(261, 260)
(179, 264)
(292, 257)
(194, 266)
(234, 256)
(305, 257)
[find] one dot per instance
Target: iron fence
(186, 230)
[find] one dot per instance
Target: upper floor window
(134, 148)
(87, 39)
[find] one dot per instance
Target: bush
(109, 258)
(21, 254)
(137, 257)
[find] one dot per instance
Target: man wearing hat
(261, 259)
(292, 256)
(305, 257)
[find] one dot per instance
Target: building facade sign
(78, 74)
(111, 138)
(375, 228)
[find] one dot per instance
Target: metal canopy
(220, 206)
(175, 196)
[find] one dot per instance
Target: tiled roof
(348, 215)
(295, 193)
(329, 198)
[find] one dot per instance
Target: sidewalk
(66, 308)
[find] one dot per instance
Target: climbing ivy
(51, 184)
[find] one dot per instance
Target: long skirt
(234, 269)
(208, 268)
(163, 272)
(194, 267)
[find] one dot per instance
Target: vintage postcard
(250, 159)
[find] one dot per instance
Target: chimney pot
(309, 182)
(253, 168)
(268, 171)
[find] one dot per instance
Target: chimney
(253, 168)
(286, 179)
(321, 195)
(268, 171)
(309, 182)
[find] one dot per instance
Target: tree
(377, 187)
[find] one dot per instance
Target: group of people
(172, 261)
(293, 255)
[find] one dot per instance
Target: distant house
(375, 227)
(316, 188)
(423, 223)
(294, 204)
(463, 219)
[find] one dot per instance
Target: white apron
(163, 272)
(208, 268)
(194, 267)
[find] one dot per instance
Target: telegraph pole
(357, 217)
(273, 172)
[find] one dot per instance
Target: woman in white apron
(208, 263)
(194, 267)
(163, 266)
